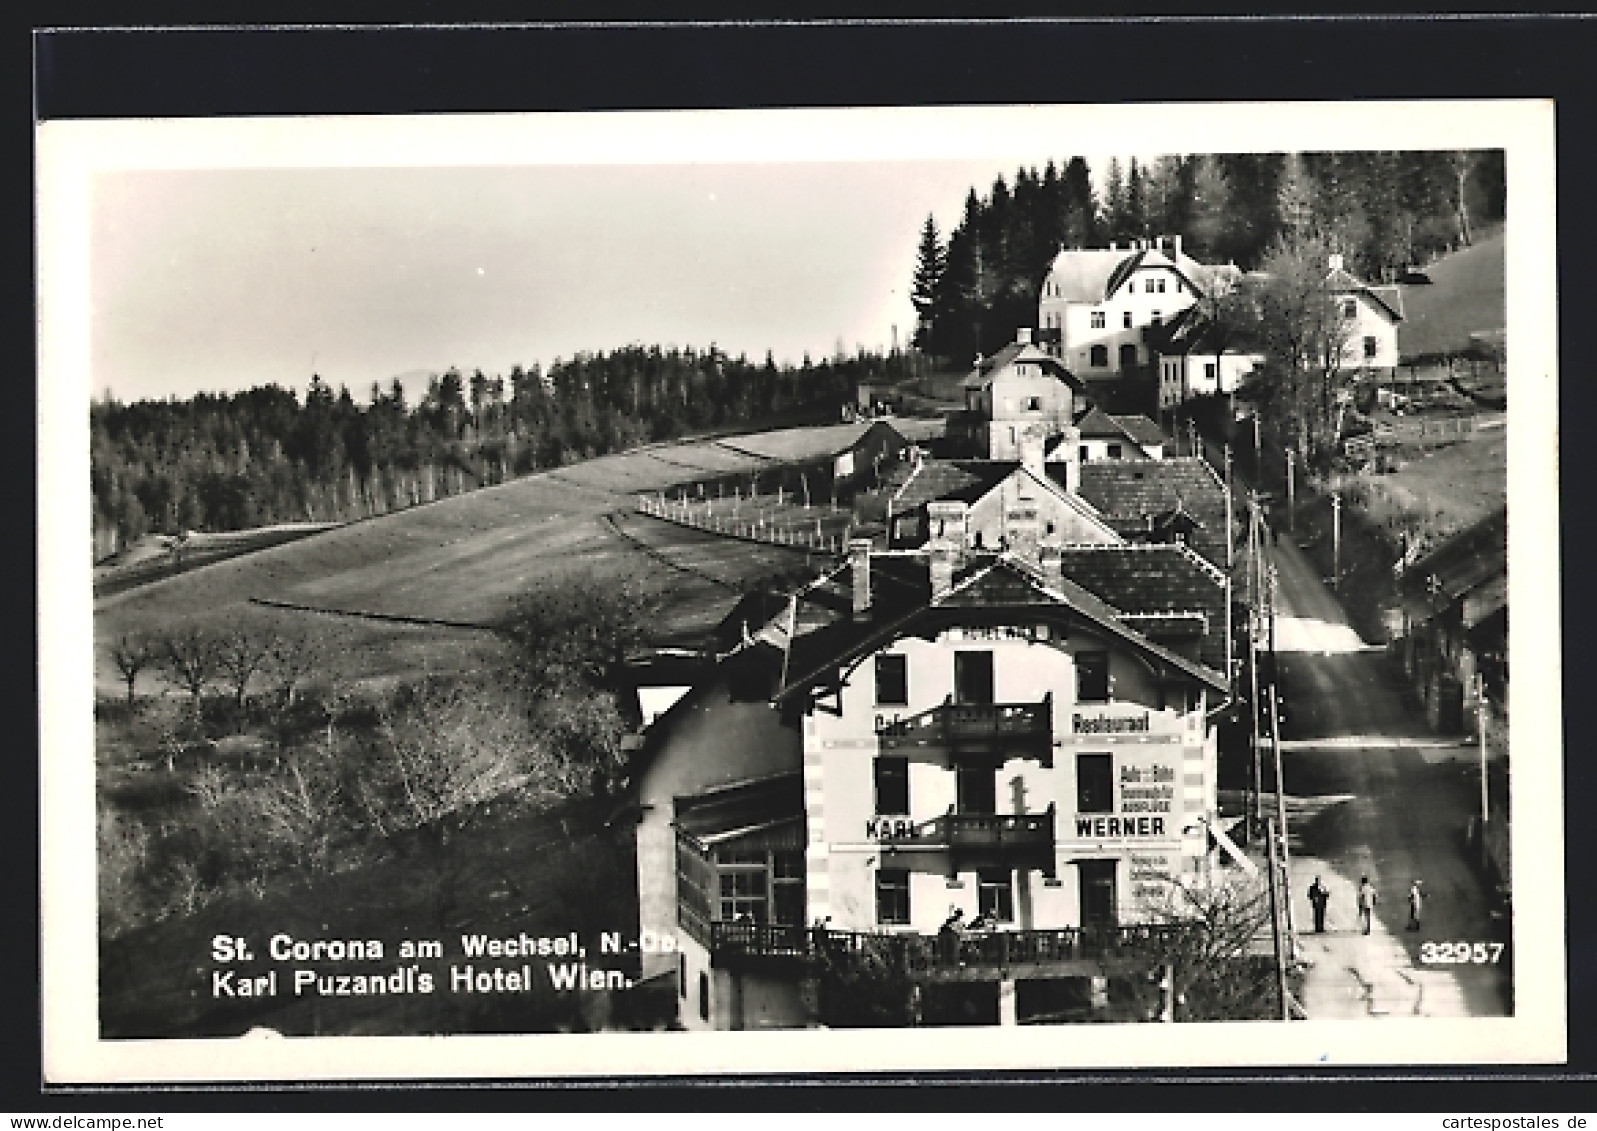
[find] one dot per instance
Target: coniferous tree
(930, 263)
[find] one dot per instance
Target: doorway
(1099, 907)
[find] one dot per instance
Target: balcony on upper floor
(979, 840)
(996, 729)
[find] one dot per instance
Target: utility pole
(1280, 813)
(1291, 496)
(1230, 676)
(1275, 923)
(1253, 659)
(1480, 728)
(1336, 540)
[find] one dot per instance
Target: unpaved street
(1372, 792)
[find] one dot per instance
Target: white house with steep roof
(1096, 303)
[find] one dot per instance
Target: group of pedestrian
(1367, 897)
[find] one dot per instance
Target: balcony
(976, 728)
(977, 840)
(1065, 952)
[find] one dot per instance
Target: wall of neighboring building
(1164, 753)
(707, 740)
(1096, 448)
(1020, 512)
(1195, 375)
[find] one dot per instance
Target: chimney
(1053, 566)
(859, 560)
(1336, 261)
(1112, 246)
(1070, 449)
(1033, 443)
(946, 519)
(1176, 242)
(1023, 336)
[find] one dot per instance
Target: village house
(1021, 391)
(1114, 436)
(1098, 304)
(1455, 621)
(1198, 357)
(1370, 315)
(924, 731)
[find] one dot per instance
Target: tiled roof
(1148, 579)
(741, 807)
(965, 480)
(985, 582)
(1141, 429)
(1475, 555)
(1388, 298)
(1131, 496)
(1015, 352)
(1096, 422)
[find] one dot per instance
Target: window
(1157, 317)
(1092, 677)
(1369, 347)
(1115, 451)
(1100, 357)
(1128, 355)
(1148, 286)
(1350, 308)
(973, 677)
(1208, 370)
(892, 786)
(976, 788)
(892, 896)
(787, 888)
(1099, 319)
(892, 681)
(1095, 783)
(743, 894)
(704, 996)
(1161, 285)
(995, 896)
(1126, 319)
(1081, 453)
(1032, 404)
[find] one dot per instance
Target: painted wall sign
(1111, 724)
(889, 828)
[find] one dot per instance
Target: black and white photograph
(800, 590)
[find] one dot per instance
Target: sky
(221, 279)
(190, 255)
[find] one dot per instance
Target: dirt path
(1371, 792)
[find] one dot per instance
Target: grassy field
(1466, 294)
(1453, 486)
(468, 559)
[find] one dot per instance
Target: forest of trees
(1383, 212)
(219, 462)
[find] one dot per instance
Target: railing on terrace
(980, 830)
(966, 724)
(928, 954)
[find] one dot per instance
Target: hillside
(467, 559)
(1466, 294)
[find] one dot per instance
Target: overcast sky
(223, 279)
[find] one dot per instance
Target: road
(1371, 792)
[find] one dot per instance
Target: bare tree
(132, 652)
(290, 659)
(192, 656)
(240, 653)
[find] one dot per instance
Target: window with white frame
(1099, 318)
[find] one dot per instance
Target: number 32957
(1460, 953)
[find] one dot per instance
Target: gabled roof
(966, 480)
(1387, 298)
(1093, 275)
(1191, 331)
(1132, 495)
(741, 808)
(1141, 429)
(1016, 353)
(1473, 557)
(987, 582)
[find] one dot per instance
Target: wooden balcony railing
(968, 726)
(933, 954)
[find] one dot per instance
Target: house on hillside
(1371, 315)
(1001, 504)
(1115, 436)
(1455, 621)
(1198, 356)
(1020, 391)
(944, 730)
(1098, 305)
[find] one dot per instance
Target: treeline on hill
(220, 462)
(1383, 211)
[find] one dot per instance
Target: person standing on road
(1416, 903)
(1368, 897)
(1319, 896)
